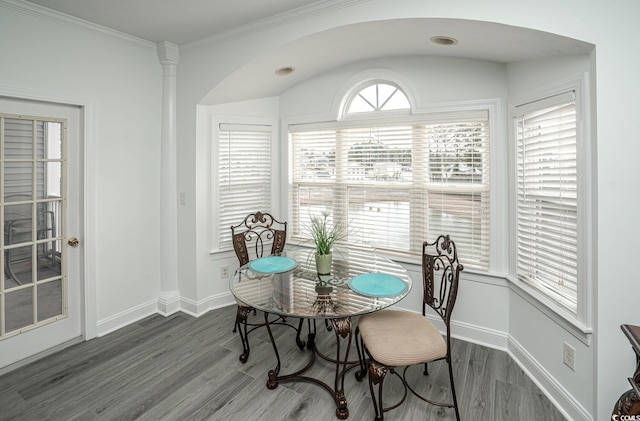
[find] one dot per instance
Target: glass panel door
(33, 289)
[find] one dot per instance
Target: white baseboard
(553, 390)
(164, 307)
(198, 308)
(169, 303)
(127, 317)
(557, 394)
(490, 338)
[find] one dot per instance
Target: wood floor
(185, 368)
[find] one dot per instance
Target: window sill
(567, 321)
(217, 254)
(564, 319)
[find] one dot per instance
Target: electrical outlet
(569, 356)
(224, 272)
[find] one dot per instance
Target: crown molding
(68, 20)
(299, 14)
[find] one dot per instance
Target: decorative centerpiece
(325, 236)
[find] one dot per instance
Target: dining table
(288, 285)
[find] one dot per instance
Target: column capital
(168, 53)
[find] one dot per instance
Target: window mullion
(341, 191)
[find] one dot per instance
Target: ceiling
(324, 51)
(175, 21)
(171, 20)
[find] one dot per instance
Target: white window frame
(579, 324)
(377, 107)
(491, 106)
(216, 121)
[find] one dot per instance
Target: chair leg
(362, 362)
(377, 373)
(301, 344)
(242, 314)
(453, 388)
(426, 369)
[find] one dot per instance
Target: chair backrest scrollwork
(441, 274)
(257, 230)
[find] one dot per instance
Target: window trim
(580, 324)
(214, 193)
(498, 232)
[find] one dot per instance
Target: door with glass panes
(39, 290)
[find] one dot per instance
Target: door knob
(73, 241)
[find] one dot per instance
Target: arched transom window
(378, 96)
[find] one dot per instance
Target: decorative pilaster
(169, 297)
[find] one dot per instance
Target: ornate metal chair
(390, 339)
(249, 238)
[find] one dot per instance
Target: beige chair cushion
(400, 338)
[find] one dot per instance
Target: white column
(169, 297)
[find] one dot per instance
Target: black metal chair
(389, 339)
(250, 237)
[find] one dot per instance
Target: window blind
(244, 175)
(547, 207)
(397, 185)
(19, 138)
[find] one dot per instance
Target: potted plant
(324, 236)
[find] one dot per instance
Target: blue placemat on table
(273, 264)
(377, 285)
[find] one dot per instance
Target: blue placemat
(273, 264)
(377, 285)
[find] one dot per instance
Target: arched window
(377, 96)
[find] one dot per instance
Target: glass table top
(360, 282)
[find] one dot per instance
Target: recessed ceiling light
(283, 71)
(442, 40)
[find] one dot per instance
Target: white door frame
(89, 318)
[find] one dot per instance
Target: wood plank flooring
(185, 368)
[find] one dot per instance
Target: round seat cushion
(401, 338)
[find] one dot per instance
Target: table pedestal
(342, 330)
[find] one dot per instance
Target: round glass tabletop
(360, 282)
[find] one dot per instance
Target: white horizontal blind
(547, 208)
(244, 175)
(458, 179)
(397, 185)
(19, 140)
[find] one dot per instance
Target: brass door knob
(73, 241)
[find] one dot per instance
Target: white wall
(122, 80)
(611, 26)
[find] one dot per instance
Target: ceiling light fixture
(443, 40)
(283, 71)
